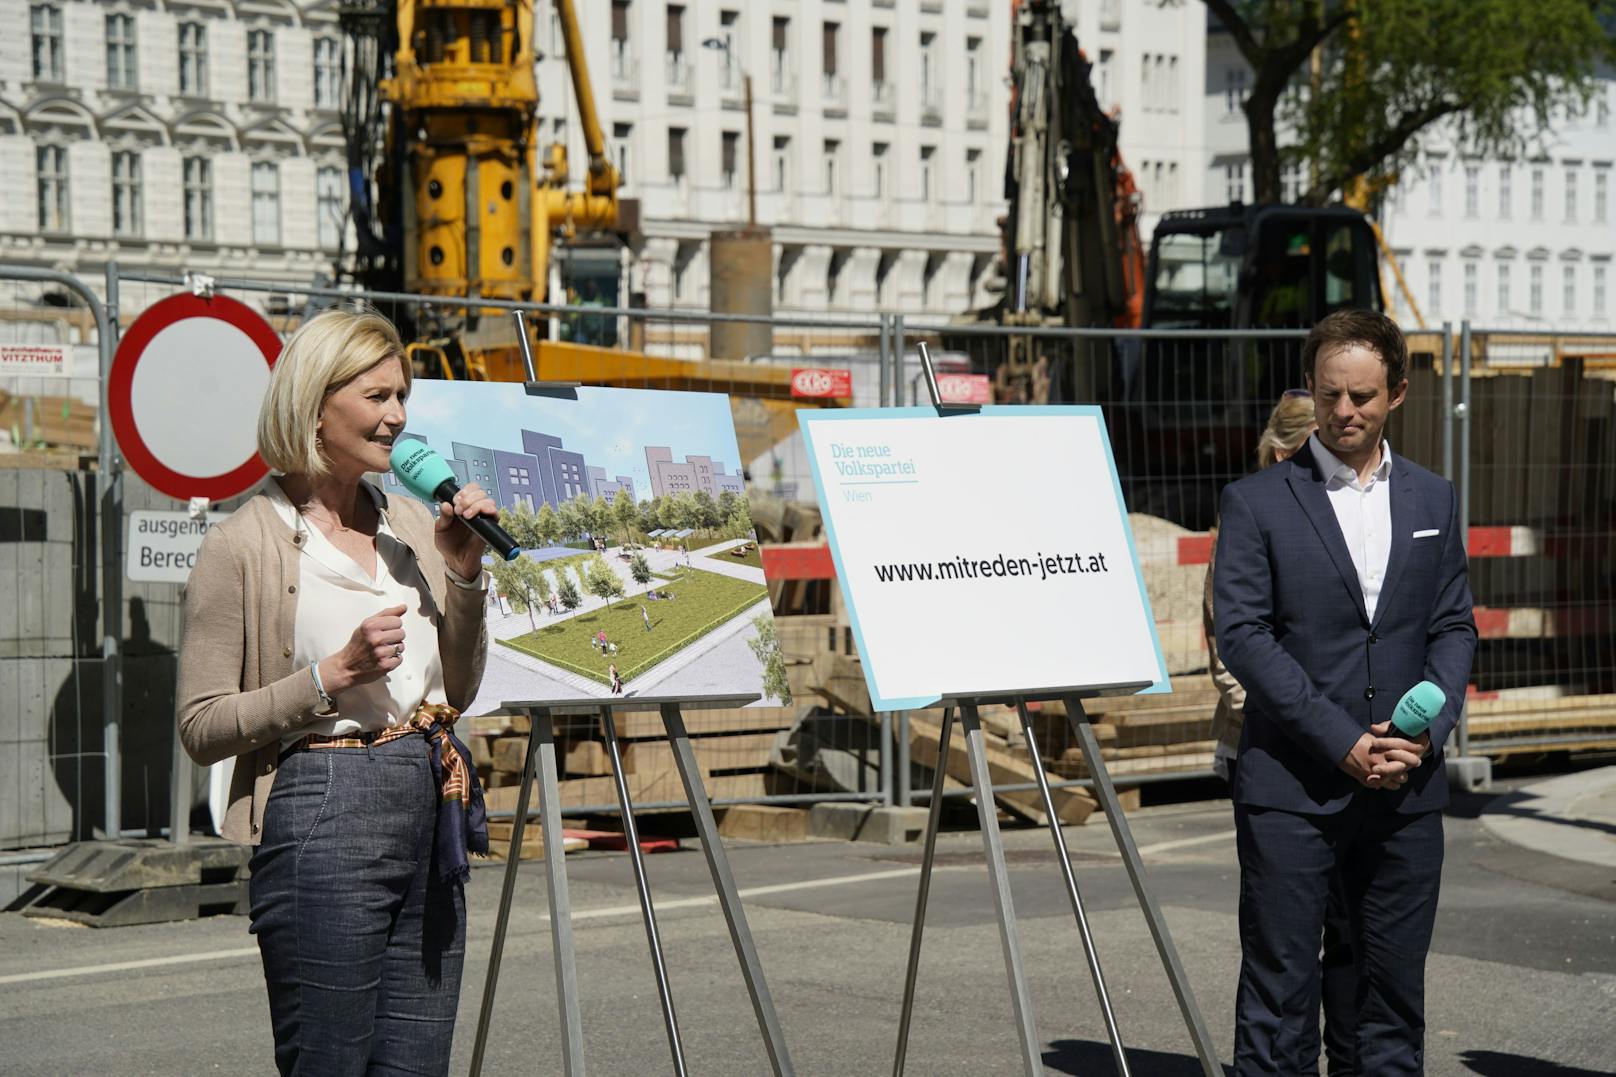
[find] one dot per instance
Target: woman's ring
(398, 649)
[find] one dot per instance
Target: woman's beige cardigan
(239, 693)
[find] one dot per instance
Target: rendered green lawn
(753, 557)
(705, 601)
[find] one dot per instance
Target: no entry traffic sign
(184, 392)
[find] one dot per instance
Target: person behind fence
(1289, 425)
(1341, 582)
(331, 634)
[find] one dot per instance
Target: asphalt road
(1522, 978)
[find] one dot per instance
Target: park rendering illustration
(640, 575)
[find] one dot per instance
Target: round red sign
(184, 391)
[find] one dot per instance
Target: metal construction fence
(1525, 425)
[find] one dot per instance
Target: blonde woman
(1289, 425)
(330, 634)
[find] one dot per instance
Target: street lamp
(722, 45)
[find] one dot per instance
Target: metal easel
(541, 762)
(999, 877)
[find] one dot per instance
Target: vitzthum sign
(161, 546)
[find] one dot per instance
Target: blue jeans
(362, 946)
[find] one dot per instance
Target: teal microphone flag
(428, 476)
(1417, 708)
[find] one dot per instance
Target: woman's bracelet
(326, 702)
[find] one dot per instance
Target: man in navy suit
(1340, 582)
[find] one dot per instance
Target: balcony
(677, 69)
(783, 87)
(833, 89)
(931, 105)
(883, 101)
(625, 72)
(976, 110)
(731, 85)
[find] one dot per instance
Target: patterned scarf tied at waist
(462, 820)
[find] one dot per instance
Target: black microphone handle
(483, 527)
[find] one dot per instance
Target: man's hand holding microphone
(1385, 756)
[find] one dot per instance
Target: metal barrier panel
(53, 767)
(1540, 483)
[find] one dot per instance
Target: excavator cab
(1189, 410)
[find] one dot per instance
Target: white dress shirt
(1364, 511)
(335, 595)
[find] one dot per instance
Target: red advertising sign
(821, 382)
(964, 388)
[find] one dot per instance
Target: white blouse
(335, 595)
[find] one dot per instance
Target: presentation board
(982, 554)
(638, 555)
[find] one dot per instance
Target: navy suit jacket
(1292, 628)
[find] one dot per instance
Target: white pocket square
(1428, 534)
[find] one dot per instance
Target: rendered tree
(640, 569)
(522, 582)
(567, 591)
(1494, 74)
(547, 525)
(706, 510)
(574, 517)
(627, 515)
(766, 648)
(601, 581)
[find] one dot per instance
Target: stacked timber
(57, 425)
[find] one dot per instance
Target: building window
(51, 162)
(1436, 188)
(1433, 288)
(1290, 183)
(1472, 190)
(926, 155)
(833, 167)
(1103, 84)
(830, 36)
(1568, 289)
(1505, 195)
(930, 77)
(1172, 84)
(782, 163)
(878, 160)
(729, 28)
(46, 22)
(676, 155)
(675, 46)
(121, 52)
(327, 71)
(193, 59)
(622, 137)
(126, 215)
(622, 57)
(780, 55)
(260, 65)
(1472, 286)
(198, 198)
(973, 170)
(1234, 89)
(1602, 107)
(878, 63)
(1234, 181)
(333, 211)
(1571, 194)
(727, 159)
(973, 73)
(1534, 290)
(266, 203)
(1601, 194)
(1599, 291)
(1503, 289)
(1537, 194)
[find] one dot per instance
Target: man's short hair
(327, 351)
(1366, 328)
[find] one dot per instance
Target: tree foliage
(601, 581)
(1489, 75)
(523, 582)
(567, 591)
(640, 569)
(627, 514)
(766, 648)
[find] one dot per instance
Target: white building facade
(172, 135)
(1522, 243)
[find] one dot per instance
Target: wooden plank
(1005, 768)
(746, 751)
(764, 822)
(642, 725)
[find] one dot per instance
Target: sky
(609, 427)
